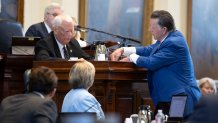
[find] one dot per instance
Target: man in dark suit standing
(59, 44)
(42, 29)
(34, 107)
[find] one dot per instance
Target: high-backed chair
(26, 80)
(7, 30)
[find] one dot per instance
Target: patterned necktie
(66, 55)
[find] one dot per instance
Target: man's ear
(52, 94)
(165, 30)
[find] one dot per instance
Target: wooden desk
(12, 68)
(105, 70)
(119, 86)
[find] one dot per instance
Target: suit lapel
(44, 30)
(56, 48)
(157, 45)
(69, 49)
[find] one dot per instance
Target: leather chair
(7, 30)
(26, 80)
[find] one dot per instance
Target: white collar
(47, 27)
(60, 46)
(39, 94)
(164, 38)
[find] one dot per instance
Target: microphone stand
(113, 35)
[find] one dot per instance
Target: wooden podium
(119, 86)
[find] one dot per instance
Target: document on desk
(23, 50)
(73, 59)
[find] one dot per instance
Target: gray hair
(60, 18)
(51, 7)
(82, 75)
(210, 81)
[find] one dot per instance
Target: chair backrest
(8, 29)
(26, 78)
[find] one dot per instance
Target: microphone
(79, 28)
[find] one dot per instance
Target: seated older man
(59, 44)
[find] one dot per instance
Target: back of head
(43, 80)
(165, 19)
(82, 75)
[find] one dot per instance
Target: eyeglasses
(54, 14)
(64, 31)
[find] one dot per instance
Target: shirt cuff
(128, 50)
(133, 57)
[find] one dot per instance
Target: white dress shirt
(131, 52)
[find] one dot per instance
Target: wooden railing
(119, 86)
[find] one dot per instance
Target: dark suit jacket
(206, 110)
(37, 30)
(28, 108)
(47, 49)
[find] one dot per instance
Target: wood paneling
(20, 10)
(14, 67)
(119, 86)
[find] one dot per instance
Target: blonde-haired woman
(78, 99)
(77, 35)
(207, 86)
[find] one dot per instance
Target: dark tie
(66, 55)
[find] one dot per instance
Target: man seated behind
(34, 107)
(42, 29)
(59, 44)
(78, 99)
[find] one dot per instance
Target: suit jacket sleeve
(43, 52)
(37, 30)
(145, 51)
(47, 49)
(46, 112)
(31, 31)
(165, 56)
